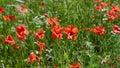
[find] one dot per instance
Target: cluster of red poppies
(100, 30)
(100, 6)
(21, 34)
(6, 18)
(70, 30)
(57, 30)
(22, 9)
(112, 14)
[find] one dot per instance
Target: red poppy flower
(75, 65)
(53, 21)
(98, 30)
(57, 32)
(71, 32)
(112, 15)
(22, 9)
(9, 40)
(116, 29)
(39, 34)
(2, 10)
(100, 6)
(33, 58)
(22, 32)
(42, 46)
(21, 37)
(9, 18)
(115, 8)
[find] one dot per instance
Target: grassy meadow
(59, 33)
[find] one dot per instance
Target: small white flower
(105, 19)
(25, 59)
(37, 52)
(20, 1)
(105, 9)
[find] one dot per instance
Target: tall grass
(89, 49)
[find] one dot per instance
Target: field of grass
(59, 34)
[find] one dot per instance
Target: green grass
(89, 49)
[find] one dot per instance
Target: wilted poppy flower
(93, 16)
(98, 30)
(39, 34)
(55, 67)
(42, 4)
(75, 65)
(107, 61)
(116, 29)
(16, 47)
(46, 15)
(71, 32)
(97, 0)
(9, 40)
(87, 29)
(33, 58)
(57, 32)
(9, 18)
(118, 59)
(22, 9)
(2, 10)
(100, 6)
(53, 21)
(1, 37)
(22, 32)
(41, 45)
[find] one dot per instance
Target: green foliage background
(89, 49)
